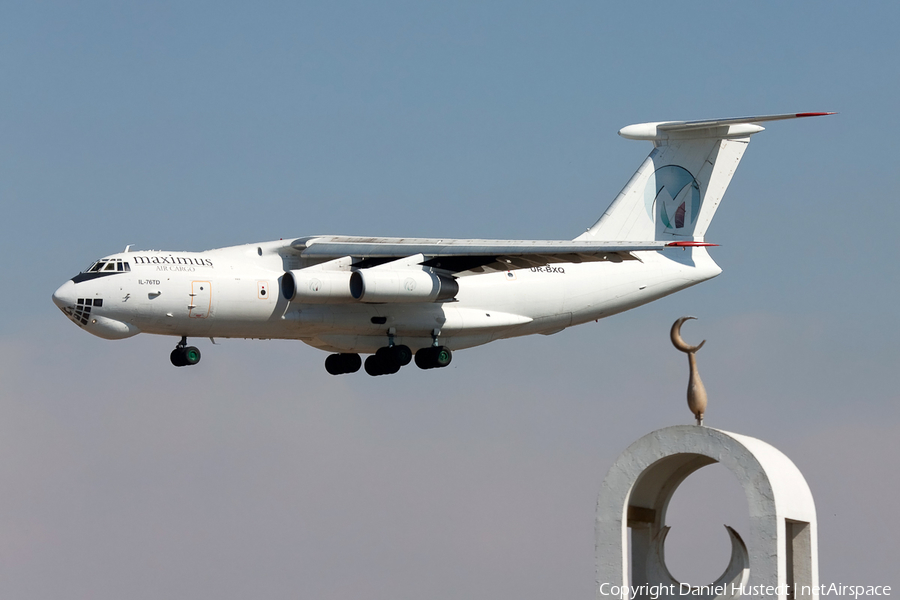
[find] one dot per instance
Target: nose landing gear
(184, 355)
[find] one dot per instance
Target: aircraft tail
(674, 194)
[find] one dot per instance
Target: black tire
(352, 362)
(424, 358)
(402, 354)
(177, 357)
(388, 359)
(390, 366)
(334, 365)
(191, 355)
(442, 357)
(374, 366)
(436, 357)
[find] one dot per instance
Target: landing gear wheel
(338, 364)
(402, 354)
(435, 357)
(383, 362)
(184, 355)
(191, 356)
(333, 364)
(442, 357)
(423, 358)
(177, 358)
(352, 362)
(390, 363)
(373, 366)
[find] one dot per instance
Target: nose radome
(65, 295)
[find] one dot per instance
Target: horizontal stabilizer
(736, 127)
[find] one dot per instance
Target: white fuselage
(236, 293)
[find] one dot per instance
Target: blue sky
(196, 125)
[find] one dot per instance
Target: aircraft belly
(403, 319)
(368, 344)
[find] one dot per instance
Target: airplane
(399, 299)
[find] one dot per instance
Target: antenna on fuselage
(128, 247)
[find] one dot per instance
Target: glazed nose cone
(65, 295)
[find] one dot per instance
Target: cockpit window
(110, 264)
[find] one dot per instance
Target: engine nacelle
(402, 285)
(309, 286)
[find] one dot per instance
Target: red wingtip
(689, 244)
(815, 114)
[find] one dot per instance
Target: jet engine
(316, 286)
(401, 285)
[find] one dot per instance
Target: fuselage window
(110, 266)
(119, 267)
(127, 266)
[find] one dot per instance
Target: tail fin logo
(674, 194)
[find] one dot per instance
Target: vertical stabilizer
(674, 194)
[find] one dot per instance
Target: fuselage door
(201, 299)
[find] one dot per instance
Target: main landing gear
(435, 357)
(184, 355)
(389, 359)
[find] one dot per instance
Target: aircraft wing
(461, 255)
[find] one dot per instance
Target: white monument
(776, 559)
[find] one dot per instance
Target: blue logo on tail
(674, 195)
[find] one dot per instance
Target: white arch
(781, 546)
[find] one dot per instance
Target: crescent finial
(678, 342)
(696, 392)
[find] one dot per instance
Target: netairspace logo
(734, 590)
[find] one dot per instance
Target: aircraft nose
(65, 295)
